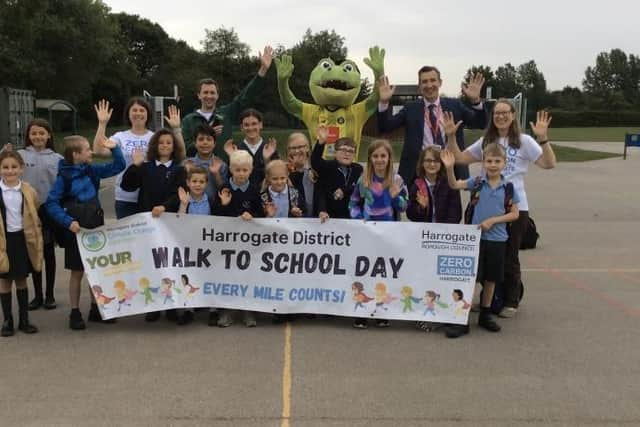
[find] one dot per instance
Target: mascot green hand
(334, 88)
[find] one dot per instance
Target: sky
(563, 37)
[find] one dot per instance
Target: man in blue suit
(422, 119)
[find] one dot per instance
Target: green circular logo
(94, 240)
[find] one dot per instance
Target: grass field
(564, 154)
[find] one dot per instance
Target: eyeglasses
(346, 150)
(501, 113)
(297, 147)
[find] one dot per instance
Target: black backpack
(530, 237)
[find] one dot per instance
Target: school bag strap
(473, 200)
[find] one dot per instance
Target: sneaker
(186, 318)
(50, 303)
(360, 324)
(7, 328)
(152, 316)
(249, 319)
(382, 323)
(27, 327)
(486, 321)
(213, 318)
(76, 322)
(225, 319)
(426, 326)
(456, 331)
(35, 304)
(508, 312)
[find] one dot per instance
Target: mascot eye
(326, 65)
(348, 67)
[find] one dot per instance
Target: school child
(301, 174)
(40, 170)
(336, 178)
(491, 212)
(73, 202)
(20, 240)
(246, 203)
(377, 194)
(205, 144)
(157, 179)
(281, 200)
(431, 199)
(261, 152)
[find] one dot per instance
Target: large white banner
(391, 270)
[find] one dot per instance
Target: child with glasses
(336, 178)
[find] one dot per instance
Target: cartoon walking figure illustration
(189, 288)
(166, 289)
(431, 299)
(101, 299)
(382, 297)
(460, 306)
(407, 299)
(147, 290)
(123, 294)
(358, 295)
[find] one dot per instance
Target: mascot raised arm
(334, 88)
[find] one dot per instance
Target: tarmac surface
(571, 356)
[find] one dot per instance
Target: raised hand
(323, 217)
(284, 67)
(137, 157)
(448, 158)
(218, 129)
(265, 58)
(108, 143)
(230, 147)
(296, 211)
(103, 112)
(215, 165)
(322, 132)
(375, 61)
(473, 87)
(225, 196)
(422, 199)
(338, 194)
(448, 123)
(183, 196)
(173, 120)
(187, 165)
(541, 126)
(269, 149)
(396, 187)
(246, 216)
(385, 90)
(7, 147)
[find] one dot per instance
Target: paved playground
(571, 357)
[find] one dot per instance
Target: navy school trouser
(512, 274)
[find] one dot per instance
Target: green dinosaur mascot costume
(334, 88)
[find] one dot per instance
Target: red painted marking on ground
(625, 276)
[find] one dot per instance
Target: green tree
(614, 80)
(506, 82)
(534, 85)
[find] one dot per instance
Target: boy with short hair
(491, 213)
(218, 172)
(245, 202)
(79, 180)
(336, 178)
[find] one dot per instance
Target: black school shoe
(35, 304)
(49, 303)
(7, 328)
(360, 323)
(75, 321)
(486, 321)
(94, 316)
(186, 318)
(152, 316)
(456, 331)
(382, 323)
(27, 327)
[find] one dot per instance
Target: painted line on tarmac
(579, 285)
(584, 270)
(286, 377)
(623, 276)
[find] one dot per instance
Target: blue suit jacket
(412, 118)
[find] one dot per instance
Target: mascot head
(332, 84)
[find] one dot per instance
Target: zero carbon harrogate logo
(94, 240)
